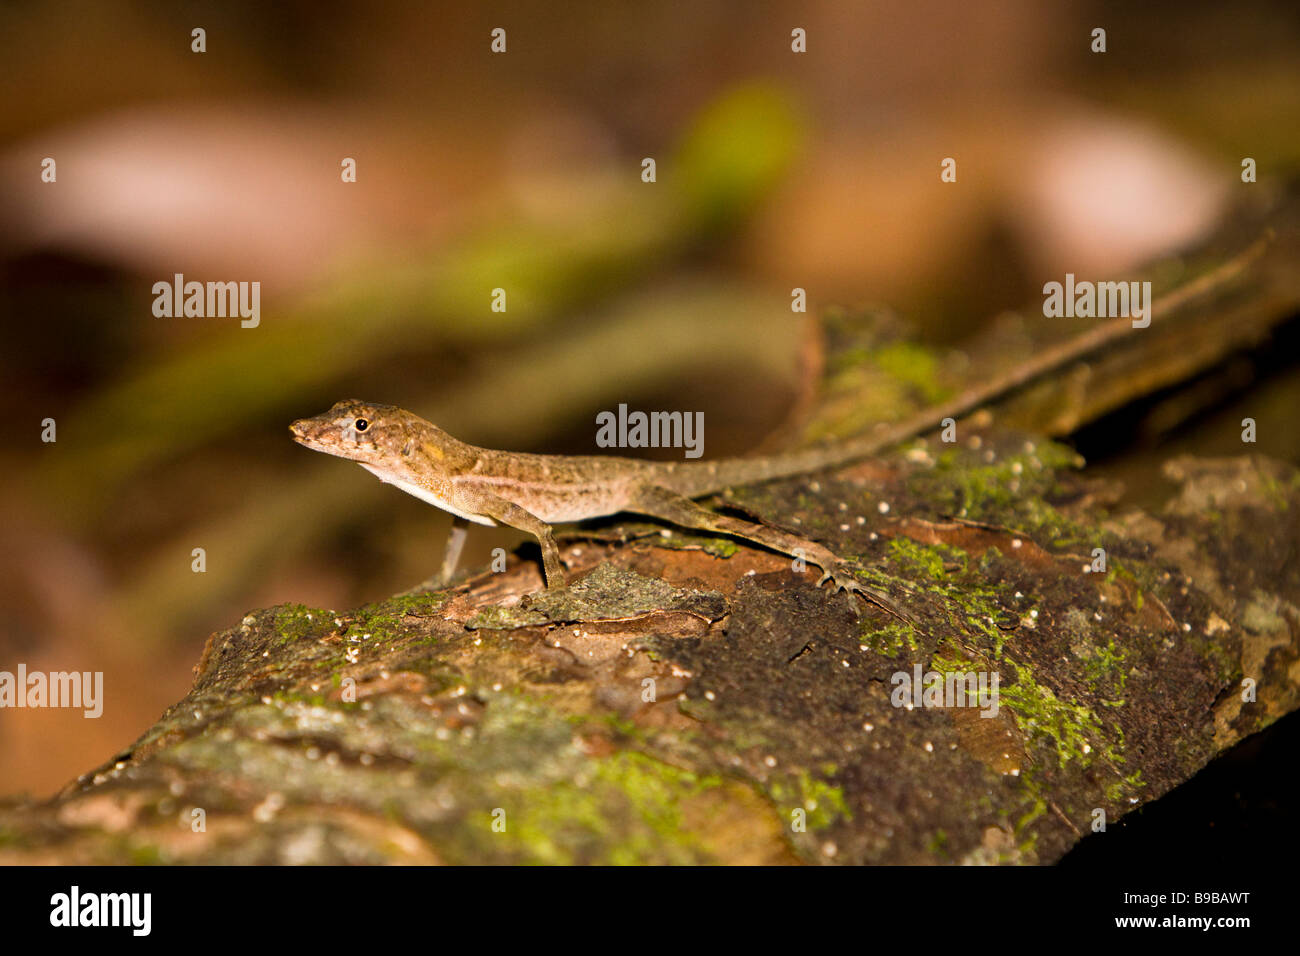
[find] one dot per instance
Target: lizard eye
(361, 424)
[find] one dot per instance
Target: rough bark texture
(771, 700)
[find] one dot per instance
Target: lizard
(532, 492)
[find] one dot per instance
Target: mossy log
(693, 700)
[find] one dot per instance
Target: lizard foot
(843, 579)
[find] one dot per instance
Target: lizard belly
(563, 506)
(555, 502)
(428, 496)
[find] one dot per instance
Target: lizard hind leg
(668, 505)
(509, 513)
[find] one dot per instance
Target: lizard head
(360, 431)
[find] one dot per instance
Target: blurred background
(521, 171)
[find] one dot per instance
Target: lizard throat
(425, 495)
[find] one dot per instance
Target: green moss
(822, 802)
(628, 804)
(1121, 790)
(1107, 667)
(955, 664)
(1038, 808)
(312, 700)
(1075, 732)
(951, 577)
(624, 729)
(715, 545)
(958, 664)
(294, 622)
(913, 365)
(387, 620)
(891, 639)
(1011, 491)
(927, 559)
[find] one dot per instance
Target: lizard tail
(696, 479)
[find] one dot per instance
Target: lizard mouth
(312, 434)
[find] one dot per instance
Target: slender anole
(532, 492)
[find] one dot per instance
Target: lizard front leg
(455, 543)
(450, 558)
(668, 505)
(509, 513)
